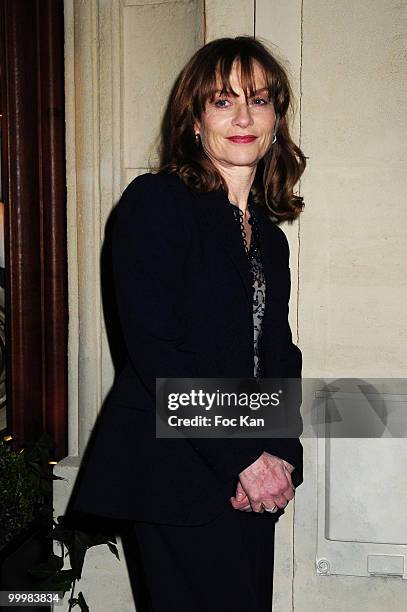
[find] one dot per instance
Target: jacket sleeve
(149, 247)
(289, 367)
(151, 242)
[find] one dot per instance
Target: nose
(242, 116)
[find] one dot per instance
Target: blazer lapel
(266, 245)
(217, 217)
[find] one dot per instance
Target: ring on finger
(274, 509)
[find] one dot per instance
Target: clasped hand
(265, 484)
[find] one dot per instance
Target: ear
(197, 127)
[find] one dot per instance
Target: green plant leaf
(62, 534)
(34, 467)
(82, 603)
(41, 448)
(46, 513)
(42, 570)
(60, 581)
(77, 551)
(93, 538)
(53, 564)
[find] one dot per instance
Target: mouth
(242, 139)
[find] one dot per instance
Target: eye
(222, 103)
(259, 101)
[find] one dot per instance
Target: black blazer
(184, 298)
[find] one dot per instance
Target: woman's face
(236, 132)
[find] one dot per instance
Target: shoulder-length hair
(281, 167)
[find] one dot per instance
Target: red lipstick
(242, 139)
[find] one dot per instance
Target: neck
(239, 180)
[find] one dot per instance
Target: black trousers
(226, 564)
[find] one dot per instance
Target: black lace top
(258, 281)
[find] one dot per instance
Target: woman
(202, 285)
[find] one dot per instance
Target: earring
(197, 139)
(274, 139)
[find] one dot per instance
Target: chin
(243, 160)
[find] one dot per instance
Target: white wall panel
(229, 18)
(157, 41)
(278, 25)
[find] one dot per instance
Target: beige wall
(353, 287)
(353, 275)
(347, 60)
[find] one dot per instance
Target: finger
(242, 505)
(269, 503)
(279, 488)
(279, 480)
(288, 476)
(240, 492)
(288, 466)
(281, 501)
(241, 499)
(257, 506)
(269, 506)
(287, 487)
(238, 505)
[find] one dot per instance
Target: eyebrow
(255, 93)
(263, 89)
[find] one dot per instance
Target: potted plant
(27, 529)
(25, 510)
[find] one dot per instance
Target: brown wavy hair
(278, 171)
